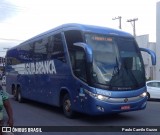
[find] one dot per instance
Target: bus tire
(67, 107)
(19, 95)
(16, 94)
(148, 96)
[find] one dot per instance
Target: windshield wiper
(116, 68)
(131, 75)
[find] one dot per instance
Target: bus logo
(42, 67)
(126, 100)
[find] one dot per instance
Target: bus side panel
(11, 83)
(45, 88)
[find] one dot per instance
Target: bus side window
(76, 54)
(40, 49)
(80, 66)
(58, 50)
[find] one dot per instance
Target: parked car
(153, 89)
(4, 80)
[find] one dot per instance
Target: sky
(23, 19)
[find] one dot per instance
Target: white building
(143, 42)
(152, 72)
(158, 41)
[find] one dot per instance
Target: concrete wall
(158, 40)
(152, 69)
(143, 42)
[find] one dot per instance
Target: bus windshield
(117, 62)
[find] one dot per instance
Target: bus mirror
(152, 53)
(87, 49)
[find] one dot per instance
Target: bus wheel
(19, 96)
(13, 90)
(67, 106)
(148, 95)
(16, 94)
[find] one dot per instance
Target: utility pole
(132, 21)
(119, 18)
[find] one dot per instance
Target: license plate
(126, 107)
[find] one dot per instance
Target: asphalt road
(36, 114)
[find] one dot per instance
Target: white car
(4, 80)
(153, 89)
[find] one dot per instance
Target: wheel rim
(14, 92)
(67, 105)
(19, 96)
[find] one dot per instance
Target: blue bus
(81, 68)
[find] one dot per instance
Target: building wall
(152, 72)
(143, 42)
(152, 69)
(158, 40)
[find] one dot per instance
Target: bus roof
(88, 28)
(96, 29)
(84, 28)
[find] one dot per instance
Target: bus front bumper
(114, 105)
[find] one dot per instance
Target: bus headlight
(144, 94)
(102, 97)
(97, 96)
